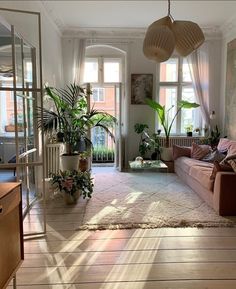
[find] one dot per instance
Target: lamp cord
(169, 11)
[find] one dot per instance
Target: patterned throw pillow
(219, 167)
(232, 163)
(232, 149)
(225, 161)
(181, 151)
(198, 152)
(213, 156)
(223, 145)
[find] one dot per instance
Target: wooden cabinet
(11, 231)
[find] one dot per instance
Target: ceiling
(71, 15)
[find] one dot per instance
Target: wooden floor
(129, 259)
(167, 258)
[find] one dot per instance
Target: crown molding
(125, 33)
(104, 32)
(110, 32)
(56, 23)
(229, 27)
(212, 33)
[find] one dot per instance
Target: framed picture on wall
(141, 88)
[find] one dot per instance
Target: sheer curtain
(199, 68)
(78, 60)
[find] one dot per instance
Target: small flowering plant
(71, 181)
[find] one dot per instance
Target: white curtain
(78, 60)
(199, 68)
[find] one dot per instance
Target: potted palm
(163, 116)
(73, 184)
(72, 120)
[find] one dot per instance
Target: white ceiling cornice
(104, 32)
(125, 33)
(229, 27)
(50, 17)
(108, 32)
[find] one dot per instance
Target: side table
(11, 232)
(148, 165)
(170, 165)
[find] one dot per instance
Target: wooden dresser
(11, 231)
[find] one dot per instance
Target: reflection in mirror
(6, 68)
(28, 29)
(18, 60)
(21, 154)
(27, 146)
(28, 66)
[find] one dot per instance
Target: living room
(63, 24)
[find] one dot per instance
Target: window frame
(179, 84)
(101, 61)
(99, 90)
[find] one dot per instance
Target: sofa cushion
(219, 167)
(181, 151)
(199, 151)
(223, 145)
(202, 175)
(186, 163)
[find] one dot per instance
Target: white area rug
(146, 200)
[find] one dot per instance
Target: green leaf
(158, 108)
(140, 127)
(187, 104)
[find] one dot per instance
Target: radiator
(53, 152)
(180, 140)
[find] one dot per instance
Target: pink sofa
(220, 193)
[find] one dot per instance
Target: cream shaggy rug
(146, 200)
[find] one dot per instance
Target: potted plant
(213, 138)
(189, 130)
(147, 141)
(72, 120)
(73, 184)
(164, 120)
(83, 161)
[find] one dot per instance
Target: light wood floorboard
(166, 258)
(138, 259)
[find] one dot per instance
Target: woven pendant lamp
(188, 36)
(159, 41)
(163, 36)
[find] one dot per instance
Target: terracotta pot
(83, 165)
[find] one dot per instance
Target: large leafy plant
(70, 182)
(71, 117)
(147, 141)
(213, 138)
(163, 114)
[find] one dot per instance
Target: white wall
(229, 34)
(26, 25)
(139, 113)
(215, 46)
(137, 63)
